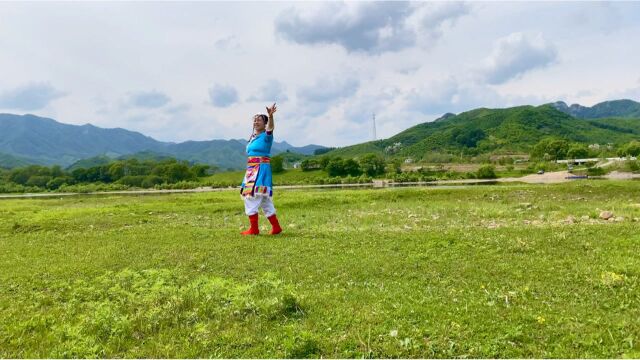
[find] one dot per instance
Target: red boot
(275, 225)
(253, 230)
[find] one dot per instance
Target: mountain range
(617, 108)
(30, 139)
(510, 130)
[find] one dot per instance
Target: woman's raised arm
(271, 110)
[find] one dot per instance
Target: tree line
(552, 148)
(130, 172)
(368, 164)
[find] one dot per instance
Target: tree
(550, 148)
(630, 149)
(55, 183)
(277, 164)
(117, 170)
(467, 137)
(394, 166)
(38, 180)
(150, 181)
(322, 150)
(19, 176)
(200, 170)
(335, 167)
(351, 167)
(22, 175)
(309, 164)
(56, 171)
(173, 172)
(578, 151)
(372, 164)
(98, 174)
(325, 160)
(132, 180)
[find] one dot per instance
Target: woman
(257, 186)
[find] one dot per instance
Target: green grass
(485, 271)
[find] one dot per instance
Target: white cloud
(368, 27)
(407, 62)
(148, 99)
(517, 54)
(451, 95)
(33, 96)
(272, 90)
(324, 93)
(223, 95)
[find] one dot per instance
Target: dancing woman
(257, 186)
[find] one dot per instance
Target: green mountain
(11, 161)
(616, 108)
(507, 130)
(90, 162)
(103, 159)
(37, 140)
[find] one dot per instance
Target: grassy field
(485, 271)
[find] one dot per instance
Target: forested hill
(483, 130)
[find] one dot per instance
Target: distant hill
(103, 159)
(10, 161)
(146, 155)
(90, 162)
(48, 141)
(616, 108)
(36, 140)
(507, 130)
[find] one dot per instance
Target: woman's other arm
(271, 110)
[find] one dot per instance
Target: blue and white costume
(257, 185)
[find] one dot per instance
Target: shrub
(487, 172)
(57, 182)
(595, 171)
(132, 180)
(38, 180)
(151, 181)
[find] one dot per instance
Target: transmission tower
(373, 120)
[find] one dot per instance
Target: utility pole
(374, 126)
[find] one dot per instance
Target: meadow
(484, 271)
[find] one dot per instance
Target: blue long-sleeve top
(261, 144)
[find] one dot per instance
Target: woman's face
(258, 124)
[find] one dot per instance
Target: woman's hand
(271, 110)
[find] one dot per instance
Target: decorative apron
(254, 183)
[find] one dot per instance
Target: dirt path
(618, 175)
(546, 178)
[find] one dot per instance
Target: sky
(179, 71)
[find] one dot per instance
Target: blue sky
(199, 71)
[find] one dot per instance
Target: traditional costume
(257, 185)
